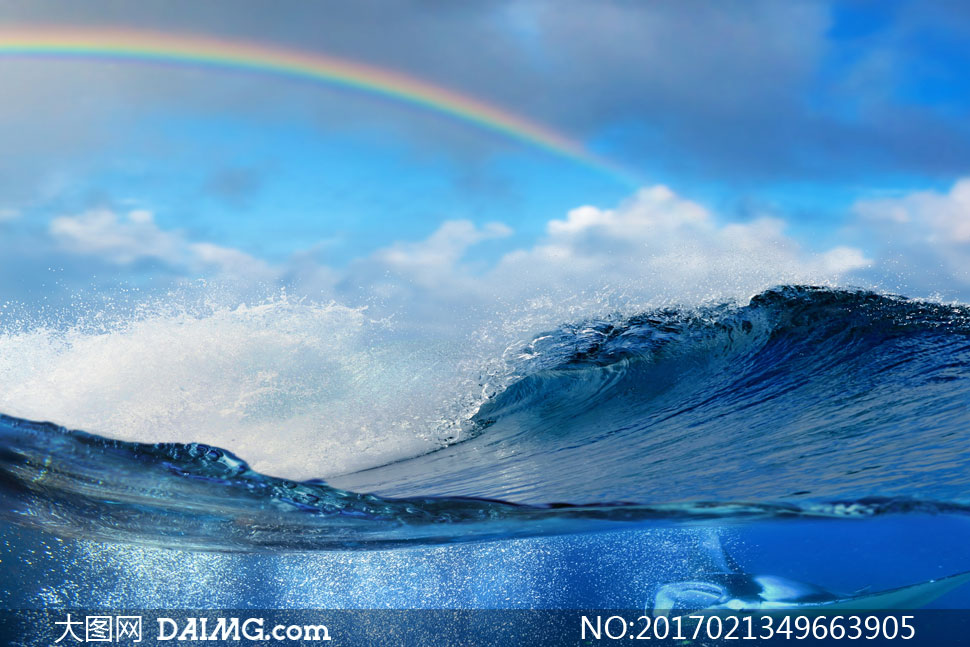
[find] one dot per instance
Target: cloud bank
(655, 248)
(661, 245)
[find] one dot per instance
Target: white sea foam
(298, 389)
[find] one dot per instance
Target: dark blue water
(804, 395)
(815, 434)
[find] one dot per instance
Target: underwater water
(813, 434)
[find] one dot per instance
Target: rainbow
(126, 45)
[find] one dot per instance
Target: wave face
(804, 393)
(805, 401)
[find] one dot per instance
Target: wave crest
(803, 402)
(803, 392)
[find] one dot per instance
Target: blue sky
(844, 124)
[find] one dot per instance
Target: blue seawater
(813, 433)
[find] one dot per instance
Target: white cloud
(932, 216)
(230, 261)
(122, 240)
(661, 246)
(921, 239)
(655, 248)
(135, 236)
(7, 215)
(440, 251)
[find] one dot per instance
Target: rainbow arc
(126, 45)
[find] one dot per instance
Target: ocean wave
(803, 393)
(803, 402)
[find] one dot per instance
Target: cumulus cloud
(440, 251)
(662, 246)
(922, 238)
(655, 248)
(932, 216)
(122, 240)
(135, 236)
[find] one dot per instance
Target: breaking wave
(802, 402)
